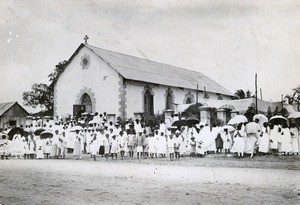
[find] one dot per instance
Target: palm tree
(240, 94)
(248, 94)
(295, 97)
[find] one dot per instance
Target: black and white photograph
(149, 102)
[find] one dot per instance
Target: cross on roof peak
(85, 39)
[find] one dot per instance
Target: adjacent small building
(12, 114)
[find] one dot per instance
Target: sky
(227, 40)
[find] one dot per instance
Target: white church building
(98, 80)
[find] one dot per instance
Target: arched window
(188, 100)
(148, 102)
(169, 99)
(87, 102)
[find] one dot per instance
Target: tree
(295, 97)
(59, 68)
(248, 94)
(241, 94)
(41, 95)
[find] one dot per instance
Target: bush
(153, 121)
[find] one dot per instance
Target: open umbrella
(92, 122)
(14, 131)
(46, 134)
(237, 119)
(179, 123)
(262, 118)
(294, 115)
(252, 128)
(229, 128)
(47, 117)
(278, 119)
(76, 127)
(38, 131)
(192, 121)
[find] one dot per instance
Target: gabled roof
(6, 106)
(139, 69)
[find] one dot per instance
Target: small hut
(12, 114)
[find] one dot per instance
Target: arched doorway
(87, 102)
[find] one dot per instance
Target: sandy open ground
(215, 179)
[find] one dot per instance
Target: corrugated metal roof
(139, 69)
(5, 106)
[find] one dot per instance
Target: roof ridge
(8, 102)
(147, 60)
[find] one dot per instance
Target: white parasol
(76, 127)
(237, 120)
(262, 118)
(294, 115)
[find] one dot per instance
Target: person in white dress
(264, 139)
(274, 138)
(212, 139)
(295, 137)
(62, 145)
(4, 145)
(114, 147)
(138, 126)
(31, 146)
(286, 141)
(152, 145)
(55, 142)
(162, 145)
(39, 148)
(198, 141)
(238, 142)
(178, 143)
(205, 138)
(171, 143)
(122, 144)
(131, 142)
(106, 143)
(17, 148)
(227, 141)
(78, 145)
(94, 147)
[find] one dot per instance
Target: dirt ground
(215, 179)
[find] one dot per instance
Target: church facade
(98, 80)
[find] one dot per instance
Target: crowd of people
(134, 139)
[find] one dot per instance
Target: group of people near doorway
(134, 140)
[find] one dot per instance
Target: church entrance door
(87, 102)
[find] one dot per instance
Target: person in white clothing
(295, 137)
(94, 147)
(170, 143)
(264, 139)
(286, 141)
(226, 137)
(239, 141)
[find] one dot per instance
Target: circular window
(85, 61)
